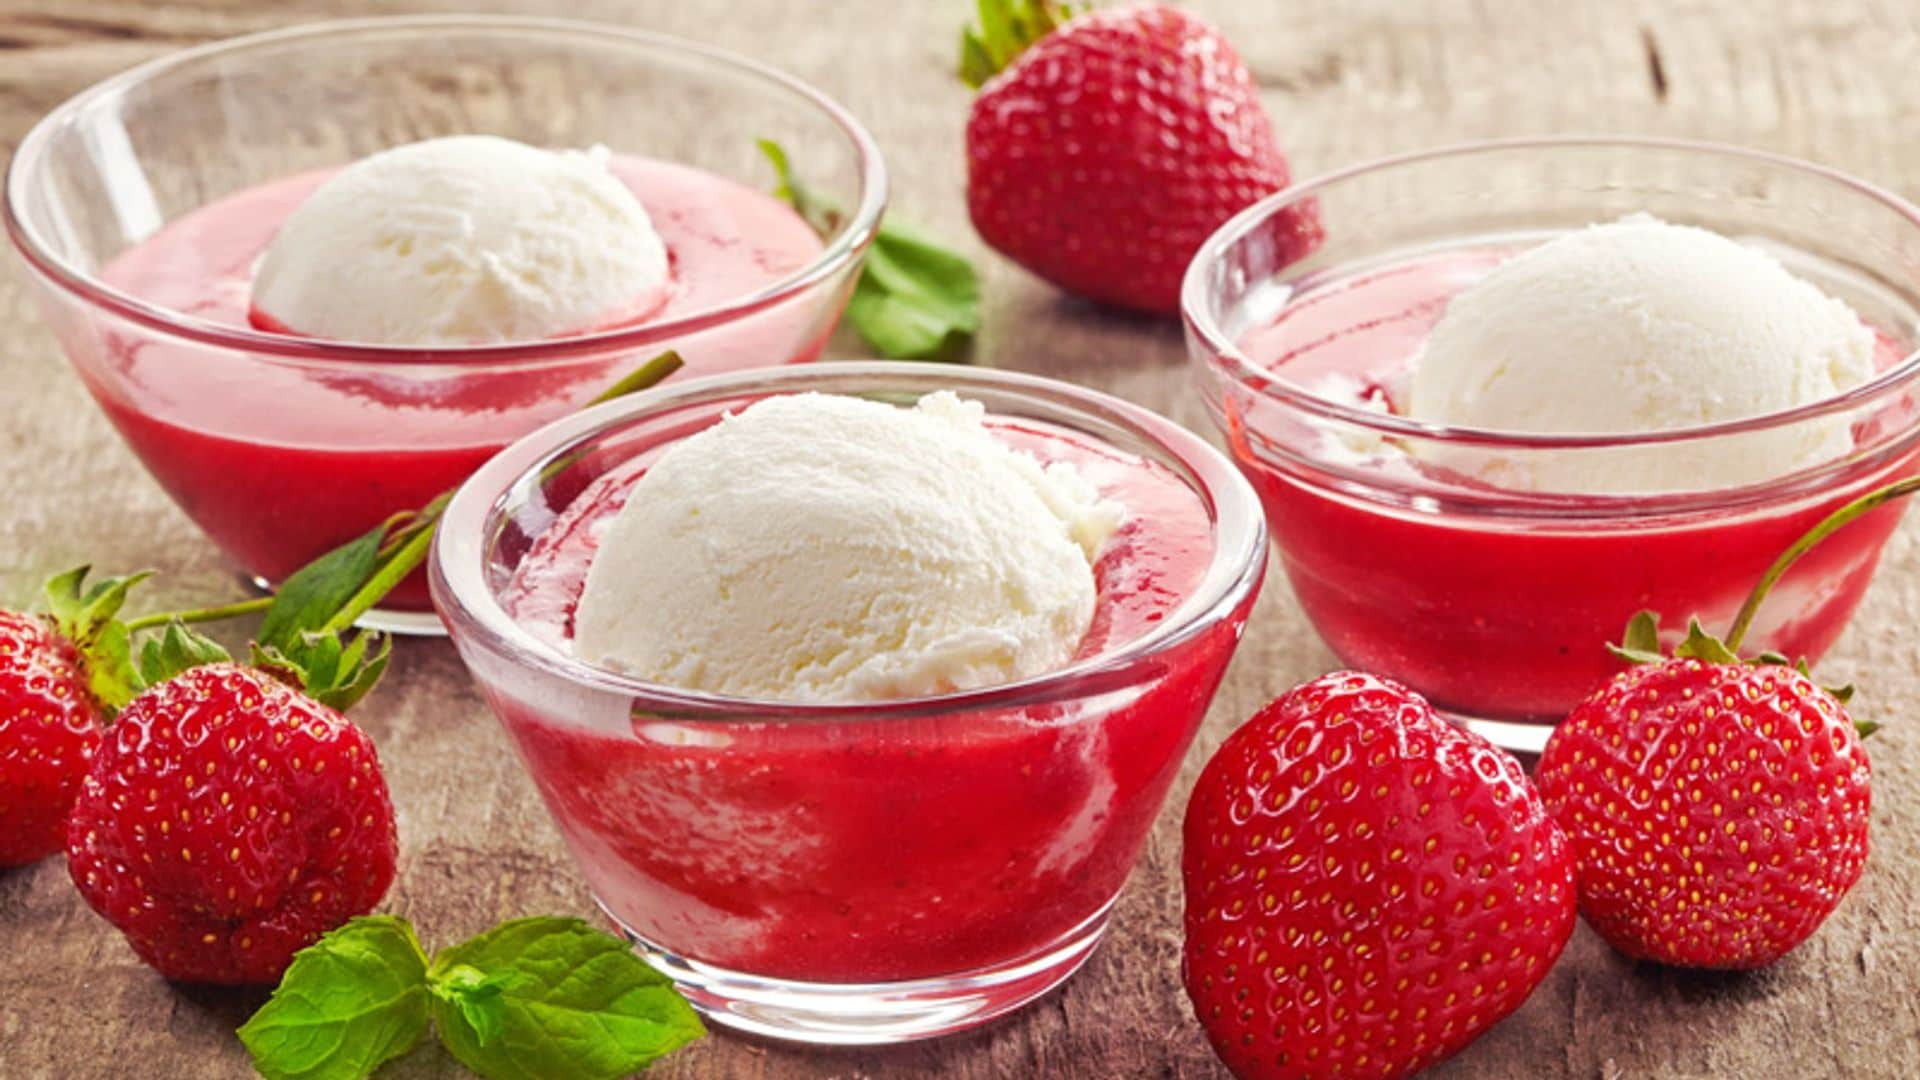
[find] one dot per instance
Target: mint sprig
(349, 1002)
(530, 999)
(915, 299)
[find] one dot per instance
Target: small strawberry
(61, 675)
(1109, 145)
(1368, 888)
(1717, 809)
(228, 821)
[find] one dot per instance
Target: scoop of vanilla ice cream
(822, 548)
(464, 240)
(1639, 326)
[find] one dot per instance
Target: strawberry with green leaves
(1718, 807)
(61, 677)
(1105, 146)
(231, 814)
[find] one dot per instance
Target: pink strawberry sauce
(280, 460)
(1500, 618)
(891, 848)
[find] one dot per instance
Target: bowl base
(386, 620)
(872, 1014)
(1513, 736)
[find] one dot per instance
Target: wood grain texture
(1344, 80)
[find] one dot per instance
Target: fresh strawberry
(1368, 888)
(1717, 809)
(60, 677)
(1111, 144)
(227, 822)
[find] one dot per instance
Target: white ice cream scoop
(826, 548)
(464, 240)
(1639, 326)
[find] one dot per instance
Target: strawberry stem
(1833, 523)
(402, 562)
(200, 615)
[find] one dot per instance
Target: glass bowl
(859, 873)
(1497, 601)
(281, 448)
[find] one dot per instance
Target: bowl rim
(475, 617)
(847, 247)
(1224, 353)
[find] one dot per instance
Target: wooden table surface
(1831, 80)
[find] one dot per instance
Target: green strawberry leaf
(1004, 30)
(914, 300)
(1865, 728)
(337, 674)
(178, 648)
(1641, 643)
(1700, 645)
(310, 596)
(350, 1001)
(87, 617)
(824, 217)
(544, 997)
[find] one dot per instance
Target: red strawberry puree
(279, 461)
(886, 849)
(1503, 618)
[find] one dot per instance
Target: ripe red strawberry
(1111, 144)
(49, 726)
(1368, 888)
(227, 822)
(1717, 809)
(60, 676)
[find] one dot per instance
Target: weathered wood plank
(1345, 80)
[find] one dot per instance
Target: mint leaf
(311, 594)
(914, 300)
(350, 1001)
(543, 997)
(175, 650)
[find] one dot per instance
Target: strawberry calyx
(1641, 642)
(87, 616)
(1004, 29)
(1641, 645)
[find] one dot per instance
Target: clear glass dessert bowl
(867, 872)
(1496, 598)
(282, 447)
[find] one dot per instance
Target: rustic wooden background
(1833, 80)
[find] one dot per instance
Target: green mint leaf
(311, 595)
(915, 300)
(337, 674)
(569, 1001)
(478, 997)
(350, 1001)
(176, 649)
